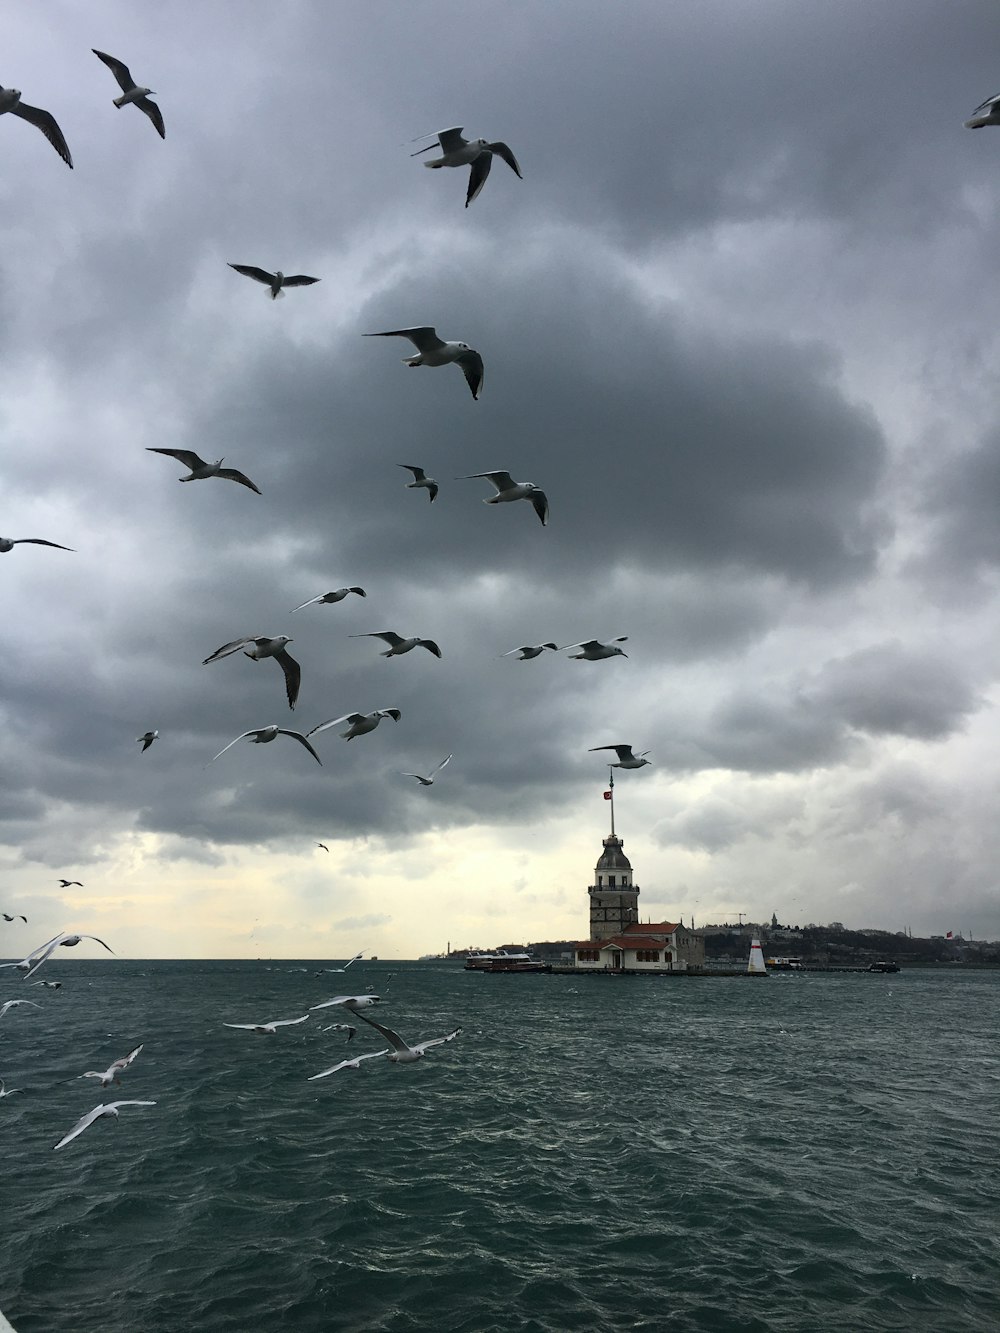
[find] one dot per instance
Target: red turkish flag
(607, 796)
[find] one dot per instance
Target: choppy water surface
(592, 1153)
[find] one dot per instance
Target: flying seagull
(146, 740)
(323, 845)
(341, 1027)
(420, 480)
(131, 92)
(30, 965)
(51, 985)
(348, 1064)
(986, 114)
(274, 280)
(530, 650)
(337, 596)
(263, 735)
(270, 1028)
(361, 723)
(400, 1052)
(626, 759)
(475, 153)
(8, 543)
(17, 917)
(509, 490)
(12, 1004)
(429, 780)
(110, 1075)
(356, 959)
(397, 644)
(257, 650)
(200, 470)
(431, 351)
(9, 1092)
(592, 650)
(10, 100)
(68, 883)
(106, 1109)
(348, 1002)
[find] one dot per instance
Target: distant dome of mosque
(613, 858)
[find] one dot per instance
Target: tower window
(611, 881)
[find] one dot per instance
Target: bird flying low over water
(348, 1002)
(530, 650)
(420, 480)
(110, 1075)
(264, 735)
(270, 1028)
(361, 723)
(508, 490)
(397, 644)
(7, 1092)
(432, 351)
(8, 543)
(10, 100)
(341, 1027)
(986, 114)
(257, 650)
(131, 92)
(429, 780)
(626, 759)
(30, 965)
(106, 1109)
(146, 740)
(13, 1004)
(592, 650)
(475, 153)
(399, 1052)
(337, 596)
(276, 281)
(200, 470)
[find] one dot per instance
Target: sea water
(797, 1152)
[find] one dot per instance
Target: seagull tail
(279, 295)
(119, 102)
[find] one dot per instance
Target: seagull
(341, 1027)
(52, 985)
(420, 479)
(18, 917)
(347, 1064)
(10, 100)
(146, 740)
(7, 1092)
(431, 351)
(30, 965)
(429, 780)
(401, 1053)
(348, 1002)
(263, 735)
(530, 650)
(131, 92)
(110, 1075)
(323, 845)
(274, 280)
(594, 650)
(397, 644)
(268, 1029)
(200, 470)
(361, 723)
(106, 1108)
(626, 759)
(337, 596)
(357, 958)
(508, 490)
(8, 543)
(12, 1004)
(257, 650)
(475, 153)
(68, 883)
(986, 114)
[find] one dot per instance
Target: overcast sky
(738, 321)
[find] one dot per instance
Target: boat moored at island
(504, 960)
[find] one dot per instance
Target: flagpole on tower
(611, 786)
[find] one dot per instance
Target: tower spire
(611, 798)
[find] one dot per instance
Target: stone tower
(614, 899)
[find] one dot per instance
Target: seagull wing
(250, 1027)
(228, 648)
(83, 1123)
(622, 751)
(418, 473)
(503, 481)
(288, 1022)
(231, 474)
(436, 1041)
(443, 763)
(540, 504)
(584, 643)
(293, 675)
(389, 635)
(478, 172)
(309, 603)
(347, 1064)
(300, 280)
(125, 1060)
(40, 541)
(424, 338)
(252, 271)
(154, 113)
(357, 958)
(987, 105)
(185, 456)
(335, 722)
(393, 1038)
(118, 69)
(472, 368)
(98, 941)
(502, 151)
(430, 645)
(46, 122)
(451, 140)
(254, 732)
(297, 735)
(348, 1001)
